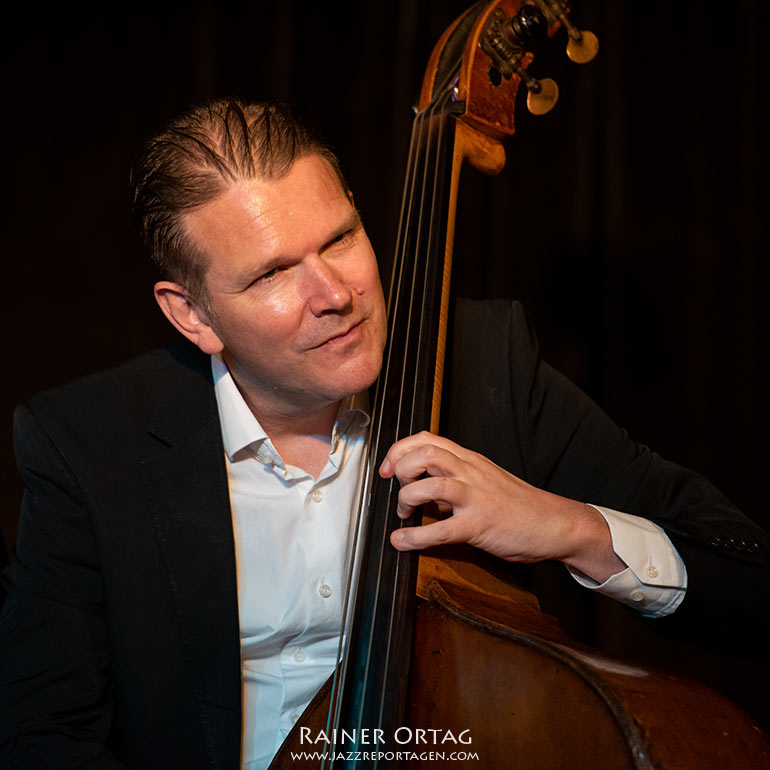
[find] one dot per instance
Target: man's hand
(493, 510)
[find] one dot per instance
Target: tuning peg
(505, 40)
(582, 46)
(542, 95)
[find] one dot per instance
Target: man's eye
(269, 275)
(342, 237)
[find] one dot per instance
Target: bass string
(433, 123)
(422, 119)
(434, 234)
(421, 153)
(421, 124)
(425, 121)
(374, 438)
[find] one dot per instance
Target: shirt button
(299, 655)
(637, 595)
(651, 571)
(294, 716)
(316, 495)
(325, 590)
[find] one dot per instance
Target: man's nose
(327, 289)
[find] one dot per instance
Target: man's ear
(186, 315)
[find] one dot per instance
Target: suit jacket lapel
(187, 493)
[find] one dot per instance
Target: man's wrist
(594, 556)
(655, 581)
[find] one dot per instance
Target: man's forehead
(266, 216)
(309, 179)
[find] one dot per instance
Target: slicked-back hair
(195, 159)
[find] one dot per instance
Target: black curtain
(629, 219)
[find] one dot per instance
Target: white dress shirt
(292, 545)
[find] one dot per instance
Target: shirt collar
(241, 429)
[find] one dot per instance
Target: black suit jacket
(120, 643)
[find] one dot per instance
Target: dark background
(630, 219)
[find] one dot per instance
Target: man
(176, 595)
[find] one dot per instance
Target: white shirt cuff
(655, 580)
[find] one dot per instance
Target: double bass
(444, 647)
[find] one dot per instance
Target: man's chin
(351, 380)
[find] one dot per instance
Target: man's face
(296, 305)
